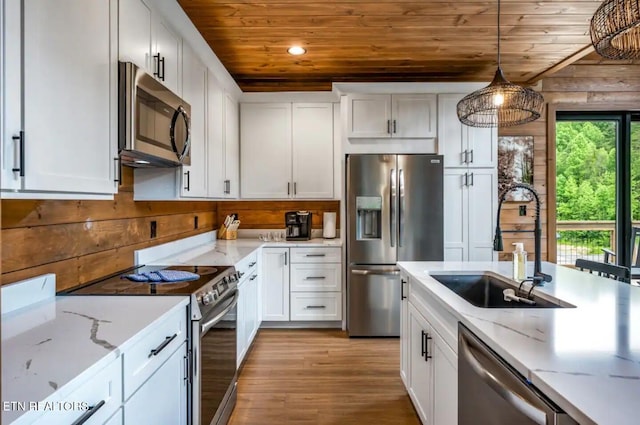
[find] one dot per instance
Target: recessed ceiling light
(296, 50)
(141, 161)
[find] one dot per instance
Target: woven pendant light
(501, 103)
(615, 29)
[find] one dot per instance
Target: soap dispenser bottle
(519, 262)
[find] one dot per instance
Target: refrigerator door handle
(400, 205)
(365, 272)
(392, 209)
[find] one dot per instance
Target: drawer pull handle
(316, 307)
(253, 277)
(252, 264)
(315, 278)
(315, 255)
(86, 415)
(162, 346)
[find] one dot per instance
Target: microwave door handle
(180, 113)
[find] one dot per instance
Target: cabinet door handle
(427, 356)
(227, 187)
(315, 278)
(20, 139)
(463, 156)
(253, 277)
(471, 184)
(394, 127)
(89, 413)
(162, 63)
(295, 188)
(466, 179)
(162, 346)
(389, 126)
(316, 307)
(423, 350)
(471, 155)
(315, 255)
(118, 170)
(402, 295)
(288, 188)
(251, 264)
(285, 258)
(188, 186)
(156, 62)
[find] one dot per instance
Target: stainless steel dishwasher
(491, 392)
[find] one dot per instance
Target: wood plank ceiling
(369, 40)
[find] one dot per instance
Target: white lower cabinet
(275, 284)
(428, 365)
(248, 311)
(302, 284)
(163, 398)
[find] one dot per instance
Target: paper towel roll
(329, 225)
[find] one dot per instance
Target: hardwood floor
(322, 377)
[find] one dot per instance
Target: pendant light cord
(498, 33)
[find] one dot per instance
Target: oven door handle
(211, 323)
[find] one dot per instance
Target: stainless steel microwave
(153, 122)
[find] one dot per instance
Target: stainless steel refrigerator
(394, 213)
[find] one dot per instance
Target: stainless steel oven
(153, 122)
(215, 364)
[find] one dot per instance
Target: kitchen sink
(487, 291)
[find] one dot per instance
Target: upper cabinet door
(231, 147)
(134, 33)
(451, 142)
(482, 145)
(215, 144)
(194, 176)
(414, 116)
(70, 95)
(167, 60)
(369, 116)
(312, 150)
(265, 129)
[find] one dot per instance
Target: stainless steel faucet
(538, 277)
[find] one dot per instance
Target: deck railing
(585, 239)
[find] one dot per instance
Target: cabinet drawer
(101, 392)
(315, 277)
(247, 263)
(156, 345)
(316, 255)
(316, 306)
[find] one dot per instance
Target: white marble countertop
(586, 359)
(230, 252)
(45, 347)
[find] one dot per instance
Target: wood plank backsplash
(270, 214)
(83, 240)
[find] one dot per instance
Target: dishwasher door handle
(517, 400)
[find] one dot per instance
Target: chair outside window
(635, 253)
(611, 271)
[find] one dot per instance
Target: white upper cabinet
(461, 145)
(147, 40)
(68, 97)
(135, 33)
(194, 176)
(287, 150)
(265, 129)
(167, 56)
(386, 116)
(231, 147)
(224, 142)
(469, 213)
(312, 150)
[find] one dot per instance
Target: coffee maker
(298, 225)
